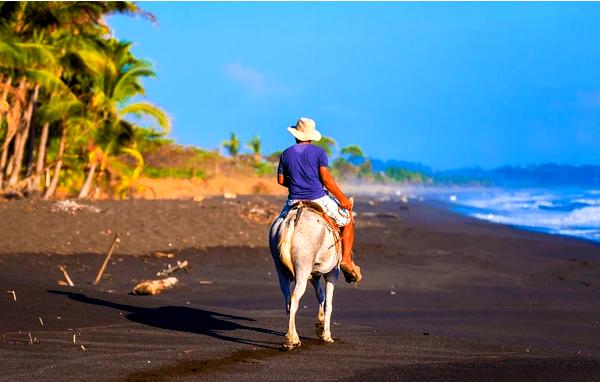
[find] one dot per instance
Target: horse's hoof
(327, 340)
(288, 347)
(320, 329)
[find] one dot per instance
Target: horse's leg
(284, 284)
(315, 280)
(330, 279)
(292, 339)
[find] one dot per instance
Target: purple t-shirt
(300, 164)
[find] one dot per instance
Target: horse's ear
(352, 201)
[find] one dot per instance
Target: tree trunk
(12, 119)
(41, 158)
(87, 185)
(30, 153)
(59, 161)
(23, 133)
(4, 97)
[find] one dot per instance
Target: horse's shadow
(183, 319)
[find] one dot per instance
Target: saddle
(318, 210)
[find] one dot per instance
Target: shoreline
(448, 207)
(445, 297)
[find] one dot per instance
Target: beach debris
(404, 199)
(229, 195)
(169, 270)
(168, 255)
(206, 282)
(260, 215)
(66, 275)
(82, 348)
(74, 338)
(14, 294)
(32, 339)
(113, 245)
(259, 212)
(393, 292)
(72, 206)
(41, 321)
(453, 198)
(389, 215)
(153, 287)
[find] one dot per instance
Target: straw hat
(305, 130)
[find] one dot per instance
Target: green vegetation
(73, 115)
(404, 175)
(69, 99)
(232, 145)
(353, 153)
(265, 168)
(181, 173)
(255, 144)
(327, 144)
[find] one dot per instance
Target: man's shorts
(332, 208)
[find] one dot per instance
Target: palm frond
(141, 109)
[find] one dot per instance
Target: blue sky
(445, 84)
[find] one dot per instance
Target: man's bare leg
(349, 268)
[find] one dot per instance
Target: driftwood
(168, 255)
(13, 293)
(66, 275)
(152, 287)
(108, 255)
(170, 270)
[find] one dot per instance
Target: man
(304, 170)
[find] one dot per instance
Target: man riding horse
(304, 170)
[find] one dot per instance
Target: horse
(305, 247)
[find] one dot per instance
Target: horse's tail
(285, 242)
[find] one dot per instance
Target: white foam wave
(511, 202)
(582, 217)
(589, 233)
(590, 202)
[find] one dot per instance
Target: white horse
(305, 248)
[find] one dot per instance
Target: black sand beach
(445, 298)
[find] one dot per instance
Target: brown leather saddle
(318, 210)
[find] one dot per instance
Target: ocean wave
(583, 217)
(589, 202)
(511, 202)
(588, 233)
(573, 212)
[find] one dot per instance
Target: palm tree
(353, 154)
(255, 144)
(232, 145)
(117, 81)
(48, 55)
(327, 144)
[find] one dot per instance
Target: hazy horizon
(447, 85)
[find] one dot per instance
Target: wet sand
(445, 298)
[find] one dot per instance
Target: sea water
(571, 212)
